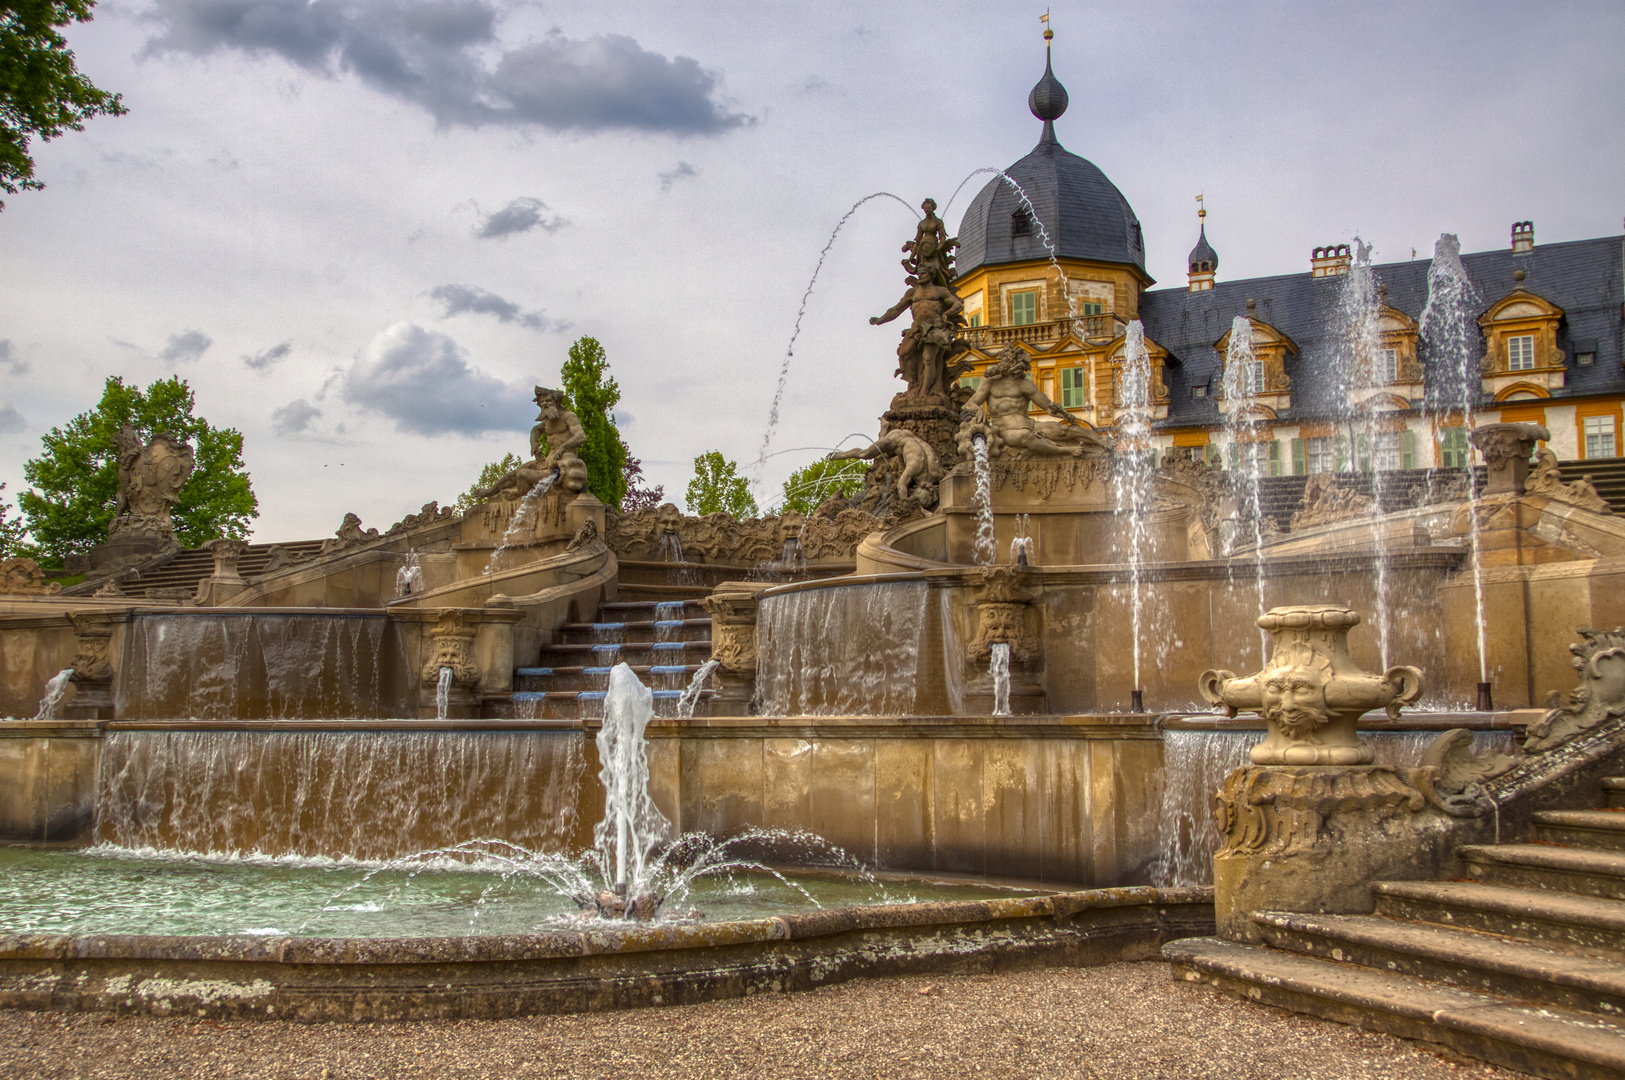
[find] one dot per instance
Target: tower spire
(1048, 98)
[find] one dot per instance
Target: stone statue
(150, 478)
(350, 534)
(1547, 480)
(1599, 698)
(920, 470)
(1324, 502)
(1007, 392)
(930, 255)
(560, 431)
(930, 345)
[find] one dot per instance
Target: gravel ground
(1123, 1020)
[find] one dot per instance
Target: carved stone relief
(452, 641)
(23, 577)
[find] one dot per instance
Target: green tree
(75, 480)
(41, 91)
(11, 530)
(489, 475)
(717, 485)
(809, 486)
(639, 495)
(593, 398)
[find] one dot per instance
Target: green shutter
(1362, 453)
(1275, 457)
(1340, 453)
(1300, 458)
(1232, 456)
(1407, 449)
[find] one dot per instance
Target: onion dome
(1203, 260)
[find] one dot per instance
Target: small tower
(1204, 261)
(1523, 237)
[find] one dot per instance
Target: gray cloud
(185, 347)
(433, 53)
(9, 361)
(681, 171)
(422, 380)
(521, 215)
(11, 421)
(260, 361)
(294, 417)
(469, 299)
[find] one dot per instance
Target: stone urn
(1312, 692)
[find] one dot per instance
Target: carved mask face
(1295, 701)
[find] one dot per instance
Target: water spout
(998, 666)
(523, 516)
(691, 695)
(632, 824)
(1133, 476)
(53, 694)
(442, 693)
(409, 578)
(983, 548)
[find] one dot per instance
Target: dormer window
(1021, 222)
(1252, 374)
(1388, 365)
(1024, 308)
(1521, 352)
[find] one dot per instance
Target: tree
(593, 399)
(11, 530)
(717, 485)
(41, 91)
(75, 480)
(808, 487)
(639, 496)
(489, 475)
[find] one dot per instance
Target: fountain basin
(464, 977)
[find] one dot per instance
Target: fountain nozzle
(1136, 701)
(1484, 702)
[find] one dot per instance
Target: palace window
(1387, 457)
(1252, 374)
(1453, 448)
(1388, 365)
(1320, 452)
(1072, 388)
(976, 319)
(1091, 307)
(1021, 222)
(1024, 308)
(971, 381)
(1586, 359)
(1199, 390)
(1599, 437)
(1521, 353)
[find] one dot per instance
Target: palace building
(1061, 273)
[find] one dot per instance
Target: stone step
(1582, 871)
(1583, 828)
(1613, 791)
(631, 652)
(654, 676)
(610, 633)
(1471, 959)
(1560, 1044)
(571, 705)
(1587, 924)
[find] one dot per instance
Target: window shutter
(1362, 453)
(1275, 457)
(1300, 458)
(1340, 453)
(1232, 456)
(1407, 449)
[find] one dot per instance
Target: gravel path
(1119, 1021)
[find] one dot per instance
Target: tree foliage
(75, 481)
(11, 530)
(41, 90)
(809, 486)
(593, 398)
(639, 495)
(717, 485)
(489, 475)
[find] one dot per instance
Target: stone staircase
(1607, 475)
(177, 578)
(1521, 964)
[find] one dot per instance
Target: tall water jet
(983, 546)
(442, 693)
(1133, 475)
(1449, 328)
(1021, 544)
(53, 694)
(632, 824)
(998, 666)
(1243, 382)
(409, 578)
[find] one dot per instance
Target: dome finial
(1048, 98)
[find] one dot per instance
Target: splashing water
(1133, 476)
(1021, 544)
(983, 548)
(1243, 380)
(790, 350)
(409, 578)
(442, 693)
(1449, 327)
(523, 516)
(53, 694)
(998, 666)
(691, 694)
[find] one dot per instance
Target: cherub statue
(931, 252)
(1007, 392)
(920, 465)
(559, 430)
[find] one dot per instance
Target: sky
(363, 230)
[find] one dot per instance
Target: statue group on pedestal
(559, 431)
(150, 478)
(927, 357)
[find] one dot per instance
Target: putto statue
(150, 478)
(560, 431)
(1007, 393)
(918, 468)
(926, 355)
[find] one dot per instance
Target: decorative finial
(1048, 98)
(1201, 210)
(1252, 307)
(1518, 276)
(1049, 35)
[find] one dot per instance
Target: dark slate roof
(1203, 253)
(1583, 277)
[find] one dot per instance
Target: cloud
(185, 347)
(422, 380)
(9, 361)
(682, 170)
(11, 421)
(444, 56)
(294, 417)
(469, 299)
(260, 361)
(521, 215)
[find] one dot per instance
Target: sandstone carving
(1326, 501)
(1280, 811)
(1453, 778)
(1547, 480)
(1007, 393)
(586, 537)
(915, 463)
(1506, 449)
(23, 577)
(733, 628)
(92, 658)
(150, 478)
(1311, 692)
(431, 514)
(1600, 697)
(559, 431)
(227, 552)
(1003, 603)
(350, 535)
(926, 357)
(452, 641)
(666, 534)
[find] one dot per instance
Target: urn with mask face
(1311, 692)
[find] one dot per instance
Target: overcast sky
(363, 229)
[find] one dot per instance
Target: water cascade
(523, 516)
(983, 546)
(53, 694)
(1132, 479)
(847, 651)
(670, 548)
(998, 666)
(1243, 382)
(1449, 328)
